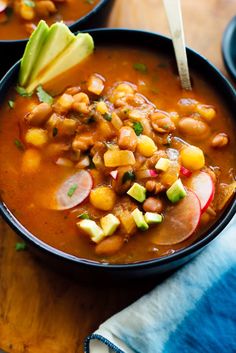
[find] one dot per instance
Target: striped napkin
(193, 311)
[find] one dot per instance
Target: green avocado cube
(109, 224)
(176, 192)
(153, 217)
(92, 229)
(138, 192)
(139, 219)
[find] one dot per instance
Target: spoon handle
(174, 16)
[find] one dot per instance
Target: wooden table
(42, 312)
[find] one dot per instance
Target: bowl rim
(72, 26)
(227, 44)
(208, 236)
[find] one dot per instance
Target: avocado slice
(59, 37)
(32, 51)
(138, 192)
(153, 217)
(176, 192)
(78, 50)
(92, 229)
(139, 219)
(109, 224)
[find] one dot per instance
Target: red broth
(29, 195)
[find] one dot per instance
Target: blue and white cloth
(193, 311)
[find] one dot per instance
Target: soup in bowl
(111, 165)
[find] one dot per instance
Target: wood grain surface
(43, 312)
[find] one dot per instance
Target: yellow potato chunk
(146, 146)
(31, 161)
(36, 137)
(103, 198)
(102, 107)
(192, 158)
(117, 158)
(95, 84)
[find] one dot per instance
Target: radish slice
(202, 184)
(180, 221)
(74, 190)
(185, 172)
(3, 5)
(114, 174)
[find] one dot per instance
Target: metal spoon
(174, 16)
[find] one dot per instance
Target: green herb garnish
(107, 117)
(29, 3)
(91, 164)
(9, 11)
(140, 67)
(11, 104)
(71, 190)
(22, 92)
(20, 246)
(19, 144)
(138, 128)
(90, 2)
(54, 131)
(91, 119)
(84, 216)
(128, 176)
(43, 96)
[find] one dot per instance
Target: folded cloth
(192, 311)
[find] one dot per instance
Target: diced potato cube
(31, 161)
(207, 112)
(128, 222)
(116, 158)
(192, 158)
(146, 146)
(95, 85)
(163, 164)
(103, 198)
(116, 121)
(109, 224)
(105, 129)
(36, 137)
(102, 107)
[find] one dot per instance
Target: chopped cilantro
(11, 104)
(54, 131)
(140, 67)
(84, 216)
(9, 11)
(107, 117)
(20, 246)
(90, 2)
(71, 190)
(128, 176)
(43, 96)
(19, 144)
(29, 3)
(22, 92)
(138, 128)
(91, 164)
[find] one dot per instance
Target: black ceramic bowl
(13, 49)
(88, 269)
(229, 47)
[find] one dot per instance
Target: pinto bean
(161, 122)
(154, 186)
(193, 127)
(109, 245)
(127, 139)
(220, 140)
(39, 114)
(45, 8)
(153, 204)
